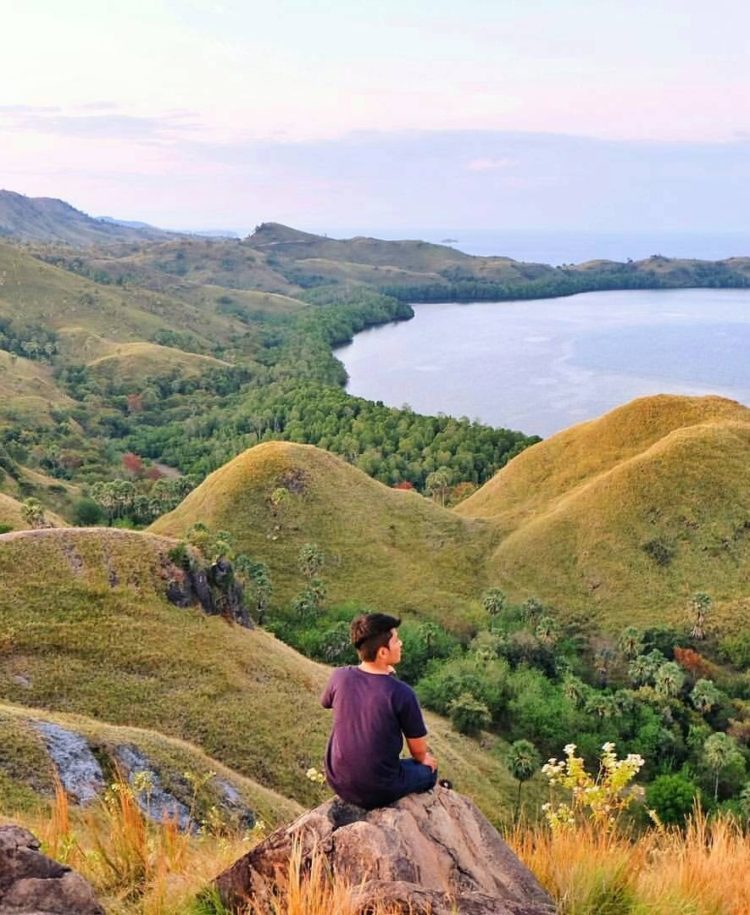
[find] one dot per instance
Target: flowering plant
(600, 798)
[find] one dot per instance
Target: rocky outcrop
(214, 589)
(80, 773)
(427, 853)
(33, 884)
(156, 803)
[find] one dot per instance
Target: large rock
(32, 884)
(432, 852)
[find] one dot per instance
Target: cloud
(96, 125)
(489, 165)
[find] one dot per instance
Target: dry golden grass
(701, 871)
(388, 550)
(577, 512)
(141, 868)
(136, 867)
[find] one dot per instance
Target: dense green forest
(286, 384)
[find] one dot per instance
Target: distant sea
(570, 247)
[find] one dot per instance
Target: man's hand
(420, 752)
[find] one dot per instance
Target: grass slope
(385, 549)
(623, 518)
(28, 392)
(11, 514)
(129, 362)
(32, 291)
(27, 773)
(85, 629)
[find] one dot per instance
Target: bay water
(540, 366)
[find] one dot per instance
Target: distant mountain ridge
(47, 219)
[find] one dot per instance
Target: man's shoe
(445, 783)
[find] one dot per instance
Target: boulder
(33, 884)
(427, 853)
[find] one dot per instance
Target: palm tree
(669, 679)
(630, 642)
(494, 601)
(700, 604)
(719, 752)
(522, 760)
(705, 696)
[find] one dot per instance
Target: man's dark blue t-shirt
(372, 713)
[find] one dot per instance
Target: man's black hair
(372, 631)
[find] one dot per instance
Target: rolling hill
(47, 219)
(385, 549)
(621, 519)
(86, 630)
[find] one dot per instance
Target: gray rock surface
(79, 771)
(157, 803)
(427, 853)
(33, 884)
(238, 809)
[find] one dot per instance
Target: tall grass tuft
(588, 871)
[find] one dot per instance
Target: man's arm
(420, 752)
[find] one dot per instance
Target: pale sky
(590, 114)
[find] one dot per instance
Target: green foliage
(735, 647)
(494, 601)
(468, 715)
(705, 696)
(672, 798)
(87, 512)
(723, 759)
(5, 528)
(32, 511)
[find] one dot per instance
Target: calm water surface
(544, 365)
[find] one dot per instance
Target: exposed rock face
(158, 804)
(32, 884)
(427, 853)
(215, 590)
(79, 771)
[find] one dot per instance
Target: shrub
(672, 797)
(661, 551)
(736, 649)
(468, 714)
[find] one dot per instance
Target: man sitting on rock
(372, 713)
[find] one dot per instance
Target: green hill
(621, 519)
(85, 629)
(33, 292)
(48, 219)
(385, 549)
(12, 515)
(27, 773)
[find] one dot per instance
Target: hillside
(384, 549)
(85, 628)
(27, 772)
(11, 514)
(624, 517)
(50, 220)
(33, 292)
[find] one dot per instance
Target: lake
(543, 365)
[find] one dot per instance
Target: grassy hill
(48, 219)
(621, 519)
(35, 292)
(85, 629)
(27, 773)
(12, 516)
(385, 549)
